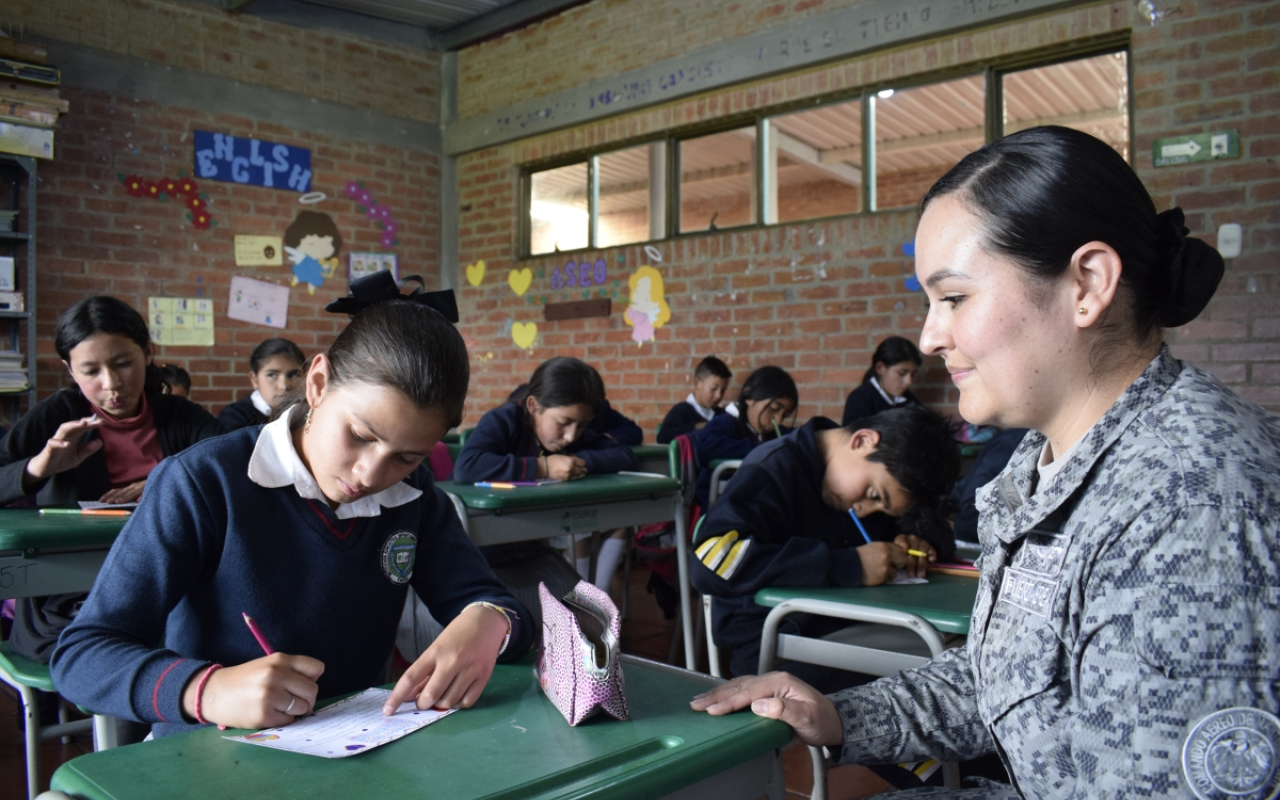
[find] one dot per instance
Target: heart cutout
(520, 280)
(475, 273)
(523, 334)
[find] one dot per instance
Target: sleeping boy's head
(710, 382)
(900, 461)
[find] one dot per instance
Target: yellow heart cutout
(520, 280)
(523, 334)
(475, 273)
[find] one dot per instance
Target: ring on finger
(292, 699)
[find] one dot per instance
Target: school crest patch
(398, 554)
(1234, 753)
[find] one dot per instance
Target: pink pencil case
(579, 661)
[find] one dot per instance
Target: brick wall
(93, 238)
(816, 297)
(395, 80)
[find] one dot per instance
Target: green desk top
(945, 602)
(512, 745)
(589, 490)
(25, 528)
(643, 451)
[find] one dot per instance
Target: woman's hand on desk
(255, 694)
(65, 450)
(779, 696)
(125, 494)
(456, 667)
(565, 468)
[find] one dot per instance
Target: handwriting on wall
(836, 34)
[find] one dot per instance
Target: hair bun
(381, 286)
(1195, 270)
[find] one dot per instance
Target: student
(98, 440)
(887, 384)
(768, 396)
(607, 421)
(177, 381)
(784, 520)
(544, 432)
(274, 369)
(316, 525)
(710, 382)
(1123, 640)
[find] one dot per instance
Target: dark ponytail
(891, 351)
(1043, 192)
(103, 314)
(766, 383)
(563, 381)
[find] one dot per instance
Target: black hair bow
(382, 286)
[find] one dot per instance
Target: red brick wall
(817, 297)
(93, 238)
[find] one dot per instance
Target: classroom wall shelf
(17, 328)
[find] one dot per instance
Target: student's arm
(28, 438)
(745, 544)
(111, 658)
(603, 454)
(681, 419)
(487, 454)
(715, 442)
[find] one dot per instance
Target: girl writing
(887, 384)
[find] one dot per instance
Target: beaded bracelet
(506, 615)
(200, 693)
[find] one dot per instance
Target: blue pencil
(861, 529)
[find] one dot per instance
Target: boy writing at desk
(788, 518)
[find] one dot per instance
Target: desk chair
(26, 677)
(908, 642)
(464, 435)
(718, 477)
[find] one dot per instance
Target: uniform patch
(1234, 753)
(1028, 592)
(1042, 553)
(398, 555)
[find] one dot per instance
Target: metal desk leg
(682, 566)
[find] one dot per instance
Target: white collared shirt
(275, 463)
(893, 401)
(703, 411)
(260, 403)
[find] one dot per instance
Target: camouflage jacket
(1125, 641)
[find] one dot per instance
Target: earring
(306, 425)
(1083, 310)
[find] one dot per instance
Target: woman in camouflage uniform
(1126, 637)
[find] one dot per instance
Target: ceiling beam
(811, 156)
(501, 20)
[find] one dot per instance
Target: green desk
(653, 458)
(594, 503)
(512, 745)
(42, 555)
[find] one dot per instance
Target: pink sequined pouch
(579, 664)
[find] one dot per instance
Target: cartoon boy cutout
(312, 243)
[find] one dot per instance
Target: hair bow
(382, 286)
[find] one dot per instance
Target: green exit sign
(1195, 147)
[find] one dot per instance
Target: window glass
(630, 203)
(1088, 94)
(717, 180)
(558, 209)
(816, 162)
(922, 132)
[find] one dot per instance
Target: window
(1088, 94)
(813, 163)
(921, 133)
(717, 180)
(559, 212)
(632, 192)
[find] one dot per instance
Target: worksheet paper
(94, 505)
(345, 728)
(904, 578)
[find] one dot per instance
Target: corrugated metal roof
(434, 14)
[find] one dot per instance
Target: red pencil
(257, 634)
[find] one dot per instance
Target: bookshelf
(17, 303)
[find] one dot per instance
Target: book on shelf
(34, 73)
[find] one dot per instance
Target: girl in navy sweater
(768, 397)
(887, 384)
(543, 432)
(275, 367)
(316, 524)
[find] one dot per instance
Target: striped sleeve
(722, 554)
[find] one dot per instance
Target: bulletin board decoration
(312, 244)
(524, 334)
(180, 321)
(475, 272)
(647, 309)
(379, 213)
(584, 274)
(252, 162)
(181, 189)
(519, 280)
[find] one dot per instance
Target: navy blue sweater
(865, 402)
(207, 543)
(773, 514)
(608, 421)
(681, 419)
(504, 448)
(722, 438)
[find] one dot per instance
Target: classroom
(638, 185)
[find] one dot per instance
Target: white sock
(607, 561)
(584, 567)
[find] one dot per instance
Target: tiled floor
(644, 632)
